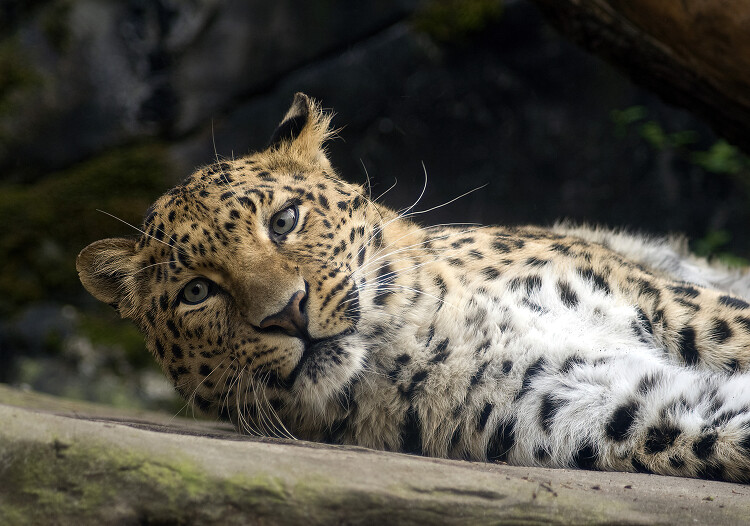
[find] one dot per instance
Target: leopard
(279, 297)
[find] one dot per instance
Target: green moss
(47, 223)
(258, 490)
(174, 480)
(456, 20)
(42, 480)
(84, 482)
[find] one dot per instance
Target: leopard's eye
(284, 221)
(196, 291)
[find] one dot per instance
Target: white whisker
(218, 162)
(403, 213)
(367, 175)
(393, 287)
(446, 203)
(388, 190)
(273, 416)
(133, 227)
(373, 260)
(149, 266)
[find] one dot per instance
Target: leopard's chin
(327, 367)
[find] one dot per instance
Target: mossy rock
(75, 463)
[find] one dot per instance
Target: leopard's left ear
(106, 270)
(303, 130)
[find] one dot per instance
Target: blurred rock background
(105, 104)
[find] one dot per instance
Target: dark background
(105, 104)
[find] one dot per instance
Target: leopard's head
(243, 280)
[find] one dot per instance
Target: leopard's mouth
(317, 353)
(314, 351)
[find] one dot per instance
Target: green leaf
(654, 134)
(721, 158)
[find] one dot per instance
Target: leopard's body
(567, 347)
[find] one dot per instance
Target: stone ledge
(75, 463)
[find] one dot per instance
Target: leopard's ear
(105, 268)
(303, 130)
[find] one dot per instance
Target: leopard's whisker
(378, 256)
(367, 176)
(222, 384)
(149, 266)
(378, 252)
(395, 287)
(205, 378)
(389, 264)
(395, 182)
(235, 383)
(380, 278)
(418, 212)
(223, 179)
(274, 417)
(403, 212)
(137, 229)
(242, 411)
(252, 403)
(224, 379)
(260, 405)
(381, 226)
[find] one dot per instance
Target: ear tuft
(304, 129)
(104, 267)
(294, 121)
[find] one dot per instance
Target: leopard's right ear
(303, 131)
(105, 268)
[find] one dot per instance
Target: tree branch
(693, 53)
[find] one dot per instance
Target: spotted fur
(562, 347)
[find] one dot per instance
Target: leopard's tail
(630, 412)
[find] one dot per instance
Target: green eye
(284, 221)
(196, 291)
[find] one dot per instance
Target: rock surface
(69, 462)
(92, 74)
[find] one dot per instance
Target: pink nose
(291, 319)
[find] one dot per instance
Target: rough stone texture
(74, 463)
(101, 73)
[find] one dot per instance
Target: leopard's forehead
(225, 184)
(220, 196)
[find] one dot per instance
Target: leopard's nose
(292, 319)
